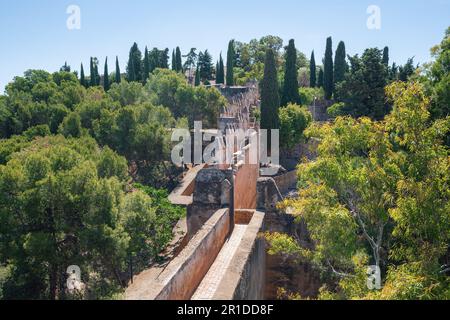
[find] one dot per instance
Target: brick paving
(211, 281)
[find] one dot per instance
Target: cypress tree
(217, 71)
(312, 71)
(328, 77)
(82, 77)
(231, 55)
(386, 56)
(197, 77)
(178, 60)
(118, 75)
(290, 87)
(131, 73)
(93, 82)
(270, 100)
(106, 84)
(146, 66)
(221, 72)
(97, 74)
(320, 80)
(134, 67)
(340, 64)
(174, 62)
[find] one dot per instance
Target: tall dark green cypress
(197, 77)
(82, 77)
(312, 71)
(270, 99)
(106, 84)
(386, 56)
(320, 79)
(97, 75)
(178, 60)
(231, 56)
(146, 66)
(118, 75)
(174, 62)
(340, 64)
(290, 86)
(221, 72)
(328, 78)
(93, 81)
(217, 71)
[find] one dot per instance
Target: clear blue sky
(34, 35)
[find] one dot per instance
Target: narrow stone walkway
(211, 281)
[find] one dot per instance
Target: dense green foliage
(362, 90)
(307, 95)
(379, 194)
(249, 64)
(438, 80)
(71, 201)
(294, 119)
(65, 202)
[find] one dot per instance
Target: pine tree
(205, 65)
(164, 59)
(290, 87)
(221, 73)
(93, 81)
(174, 62)
(312, 71)
(178, 60)
(146, 66)
(231, 56)
(134, 67)
(197, 77)
(320, 79)
(65, 67)
(386, 56)
(82, 77)
(328, 77)
(270, 100)
(118, 75)
(106, 84)
(340, 64)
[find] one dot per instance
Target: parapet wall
(182, 276)
(244, 279)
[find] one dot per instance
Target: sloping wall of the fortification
(182, 276)
(244, 279)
